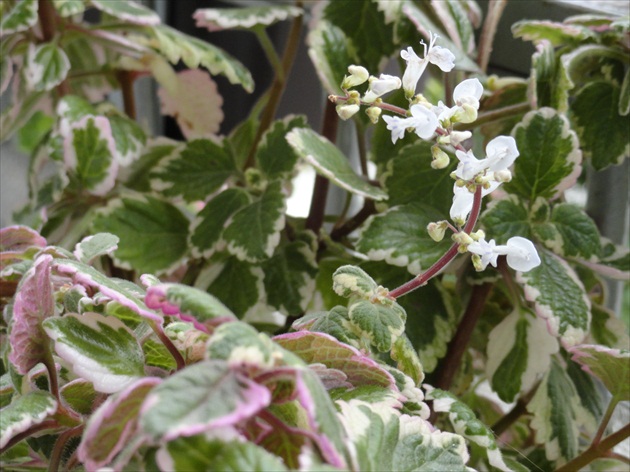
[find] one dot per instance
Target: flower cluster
(435, 122)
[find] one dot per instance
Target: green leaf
(543, 74)
(570, 233)
(407, 360)
(129, 137)
(550, 159)
(411, 179)
(611, 366)
(34, 131)
(555, 409)
(73, 108)
(195, 173)
(400, 237)
(559, 297)
(213, 454)
(604, 133)
(439, 451)
(365, 26)
(24, 412)
(139, 173)
(557, 34)
(127, 10)
(380, 324)
(608, 329)
(514, 364)
(335, 322)
(207, 228)
(94, 246)
(331, 163)
(98, 348)
(176, 46)
(352, 281)
(157, 355)
(21, 17)
(624, 99)
(238, 284)
(254, 231)
(153, 233)
(506, 217)
(47, 65)
(69, 7)
(200, 398)
(592, 397)
(113, 424)
(275, 158)
(457, 23)
(331, 53)
(90, 155)
(290, 277)
(244, 17)
(465, 422)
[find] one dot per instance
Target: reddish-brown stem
(179, 360)
(596, 450)
(57, 452)
(8, 288)
(317, 211)
(126, 79)
(382, 105)
(353, 223)
(457, 346)
(515, 413)
(495, 10)
(423, 278)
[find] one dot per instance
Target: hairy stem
(57, 452)
(179, 360)
(596, 450)
(458, 345)
(495, 10)
(316, 213)
(126, 79)
(277, 87)
(435, 269)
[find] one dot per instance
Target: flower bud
(440, 158)
(347, 111)
(463, 239)
(503, 176)
(477, 263)
(358, 75)
(437, 230)
(477, 235)
(373, 113)
(464, 114)
(457, 137)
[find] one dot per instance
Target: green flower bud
(373, 113)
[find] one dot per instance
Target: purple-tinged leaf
(90, 154)
(331, 378)
(33, 303)
(127, 10)
(6, 72)
(611, 366)
(24, 412)
(80, 395)
(196, 106)
(320, 348)
(98, 348)
(200, 398)
(19, 238)
(94, 246)
(559, 297)
(113, 424)
(189, 304)
(127, 294)
(614, 261)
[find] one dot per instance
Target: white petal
(522, 254)
(441, 57)
(470, 88)
(423, 120)
(462, 203)
(501, 153)
(397, 126)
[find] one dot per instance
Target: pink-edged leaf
(26, 411)
(80, 395)
(94, 246)
(113, 424)
(127, 294)
(188, 303)
(34, 303)
(196, 106)
(331, 378)
(611, 366)
(127, 10)
(321, 348)
(200, 398)
(17, 240)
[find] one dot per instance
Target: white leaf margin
(216, 19)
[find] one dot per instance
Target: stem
(353, 223)
(596, 450)
(423, 278)
(605, 420)
(495, 10)
(277, 86)
(270, 50)
(7, 288)
(125, 79)
(53, 382)
(179, 360)
(316, 213)
(382, 105)
(515, 413)
(55, 456)
(458, 345)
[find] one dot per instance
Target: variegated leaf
(216, 19)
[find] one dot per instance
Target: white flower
(441, 57)
(521, 253)
(469, 166)
(466, 98)
(422, 120)
(468, 92)
(501, 153)
(463, 201)
(384, 84)
(358, 75)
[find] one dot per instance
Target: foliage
(158, 300)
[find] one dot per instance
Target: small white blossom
(378, 87)
(466, 98)
(521, 253)
(358, 75)
(397, 126)
(501, 153)
(346, 111)
(463, 201)
(441, 57)
(422, 120)
(468, 92)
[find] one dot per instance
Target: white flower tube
(521, 253)
(378, 87)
